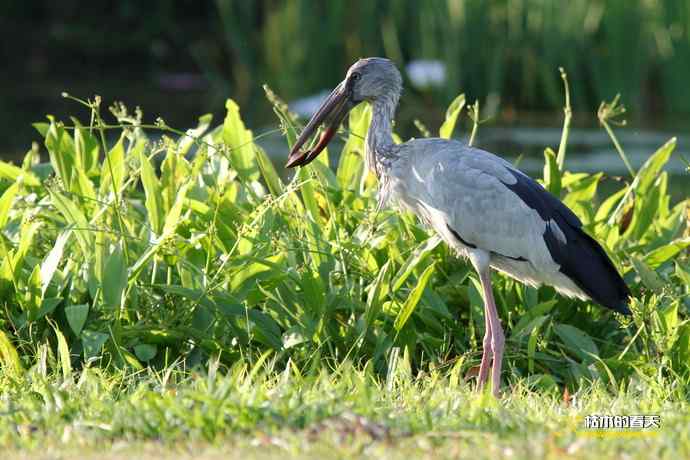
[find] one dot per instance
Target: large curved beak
(330, 114)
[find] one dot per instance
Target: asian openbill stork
(482, 206)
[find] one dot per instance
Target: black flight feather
(580, 257)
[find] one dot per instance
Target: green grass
(267, 412)
(131, 263)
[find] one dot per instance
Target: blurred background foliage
(200, 53)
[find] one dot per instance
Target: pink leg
(497, 339)
(486, 353)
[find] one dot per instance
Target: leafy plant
(141, 245)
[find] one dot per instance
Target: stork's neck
(379, 141)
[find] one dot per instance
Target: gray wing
(467, 190)
(475, 199)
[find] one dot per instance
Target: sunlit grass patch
(261, 413)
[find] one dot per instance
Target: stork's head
(366, 80)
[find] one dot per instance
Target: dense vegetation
(151, 251)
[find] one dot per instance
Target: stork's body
(480, 205)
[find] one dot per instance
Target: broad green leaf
(669, 317)
(41, 127)
(61, 151)
(202, 318)
(413, 299)
(252, 269)
(32, 158)
(681, 274)
(647, 194)
(47, 307)
(377, 292)
(645, 210)
(76, 218)
(174, 173)
(82, 185)
(6, 201)
(154, 195)
(417, 256)
(308, 192)
(682, 345)
(93, 342)
(85, 160)
(533, 330)
(265, 330)
(312, 220)
(100, 254)
(28, 232)
(313, 293)
(552, 175)
(269, 173)
(648, 276)
(143, 260)
(528, 295)
(664, 197)
(145, 351)
(172, 220)
(15, 174)
(63, 353)
(9, 356)
(452, 113)
(576, 341)
(192, 135)
(240, 142)
(114, 279)
(33, 298)
(531, 319)
(86, 148)
(127, 359)
(544, 382)
(608, 205)
(665, 253)
(76, 317)
(653, 166)
(50, 263)
(351, 165)
(114, 168)
(584, 190)
(570, 179)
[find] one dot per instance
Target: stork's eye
(356, 76)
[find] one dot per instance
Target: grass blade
(452, 113)
(114, 279)
(413, 299)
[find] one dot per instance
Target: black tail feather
(586, 263)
